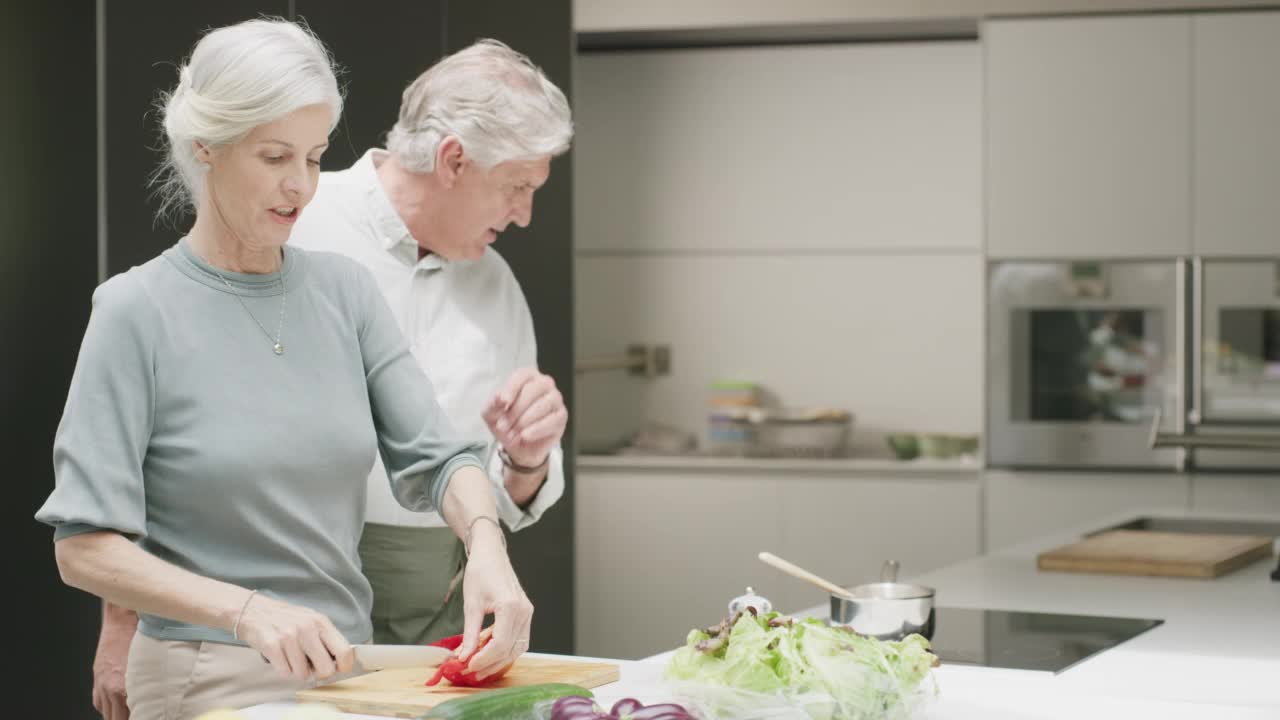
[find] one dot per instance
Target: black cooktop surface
(1028, 640)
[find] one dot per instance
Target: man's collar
(393, 234)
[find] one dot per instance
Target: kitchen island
(1217, 654)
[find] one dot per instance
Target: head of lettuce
(766, 665)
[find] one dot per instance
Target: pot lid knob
(750, 599)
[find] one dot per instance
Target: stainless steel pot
(886, 610)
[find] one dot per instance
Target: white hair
(493, 99)
(238, 77)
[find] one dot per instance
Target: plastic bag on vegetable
(763, 667)
(722, 702)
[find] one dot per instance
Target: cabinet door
(1025, 505)
(1088, 136)
(658, 554)
(1237, 147)
(863, 146)
(1236, 493)
(845, 528)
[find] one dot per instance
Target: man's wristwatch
(526, 469)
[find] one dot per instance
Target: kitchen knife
(388, 657)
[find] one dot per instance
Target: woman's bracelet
(235, 629)
(466, 543)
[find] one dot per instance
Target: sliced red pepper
(453, 642)
(455, 669)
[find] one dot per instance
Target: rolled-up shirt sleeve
(418, 445)
(102, 439)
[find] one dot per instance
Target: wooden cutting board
(403, 693)
(1166, 554)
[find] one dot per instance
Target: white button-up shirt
(467, 323)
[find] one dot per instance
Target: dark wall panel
(542, 258)
(142, 61)
(48, 268)
(377, 67)
(374, 65)
(49, 243)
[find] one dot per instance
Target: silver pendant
(279, 348)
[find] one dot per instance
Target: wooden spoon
(802, 574)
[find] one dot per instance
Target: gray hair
(238, 77)
(493, 99)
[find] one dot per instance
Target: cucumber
(512, 702)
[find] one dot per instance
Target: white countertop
(1219, 644)
(1217, 656)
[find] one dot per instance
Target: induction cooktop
(1027, 640)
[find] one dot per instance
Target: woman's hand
(490, 586)
(297, 641)
(118, 627)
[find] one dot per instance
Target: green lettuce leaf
(833, 672)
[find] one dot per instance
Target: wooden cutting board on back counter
(403, 692)
(1163, 554)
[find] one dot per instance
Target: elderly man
(473, 143)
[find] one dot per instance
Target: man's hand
(118, 626)
(527, 416)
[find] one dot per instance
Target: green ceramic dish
(905, 446)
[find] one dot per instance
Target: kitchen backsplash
(896, 340)
(821, 238)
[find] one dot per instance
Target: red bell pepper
(453, 642)
(455, 669)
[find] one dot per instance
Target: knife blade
(388, 657)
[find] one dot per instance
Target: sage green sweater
(184, 430)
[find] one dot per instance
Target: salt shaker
(750, 599)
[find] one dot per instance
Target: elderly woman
(228, 402)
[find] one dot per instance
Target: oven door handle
(1216, 441)
(1182, 348)
(1195, 413)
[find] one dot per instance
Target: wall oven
(1082, 356)
(1235, 366)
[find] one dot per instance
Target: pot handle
(889, 572)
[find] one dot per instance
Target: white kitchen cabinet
(659, 552)
(833, 147)
(1237, 134)
(1088, 136)
(1236, 493)
(845, 528)
(1025, 505)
